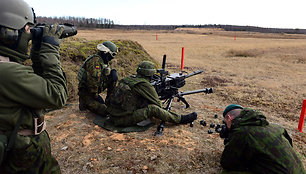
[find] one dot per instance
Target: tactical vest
(124, 99)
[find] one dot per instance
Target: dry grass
(263, 71)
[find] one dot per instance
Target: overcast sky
(261, 13)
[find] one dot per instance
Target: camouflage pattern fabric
(36, 158)
(92, 102)
(145, 113)
(36, 88)
(259, 147)
(141, 105)
(107, 124)
(94, 81)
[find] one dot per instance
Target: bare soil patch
(272, 81)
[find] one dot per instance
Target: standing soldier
(95, 76)
(135, 100)
(26, 91)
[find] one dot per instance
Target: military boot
(82, 106)
(188, 118)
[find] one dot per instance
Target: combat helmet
(14, 15)
(108, 47)
(146, 68)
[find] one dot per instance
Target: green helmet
(15, 14)
(146, 68)
(108, 47)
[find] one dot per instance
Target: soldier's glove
(188, 118)
(51, 34)
(224, 133)
(113, 77)
(46, 33)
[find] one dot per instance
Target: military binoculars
(69, 30)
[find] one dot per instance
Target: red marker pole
(302, 117)
(156, 36)
(182, 60)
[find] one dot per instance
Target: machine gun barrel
(194, 73)
(167, 87)
(205, 90)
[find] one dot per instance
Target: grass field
(262, 71)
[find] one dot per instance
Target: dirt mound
(74, 51)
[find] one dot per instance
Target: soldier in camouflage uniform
(26, 91)
(95, 76)
(257, 146)
(135, 100)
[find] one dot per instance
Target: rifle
(167, 87)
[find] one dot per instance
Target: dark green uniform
(35, 88)
(134, 100)
(92, 82)
(256, 146)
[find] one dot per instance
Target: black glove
(224, 133)
(100, 99)
(113, 77)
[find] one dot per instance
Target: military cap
(231, 107)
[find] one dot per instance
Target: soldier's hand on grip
(51, 34)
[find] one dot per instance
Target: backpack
(124, 98)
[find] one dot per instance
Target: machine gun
(167, 87)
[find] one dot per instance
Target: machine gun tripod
(167, 87)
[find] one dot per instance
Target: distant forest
(82, 22)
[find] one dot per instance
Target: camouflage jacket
(94, 79)
(36, 88)
(259, 147)
(131, 93)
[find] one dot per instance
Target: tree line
(225, 27)
(80, 22)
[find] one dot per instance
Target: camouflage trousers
(145, 113)
(92, 103)
(36, 158)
